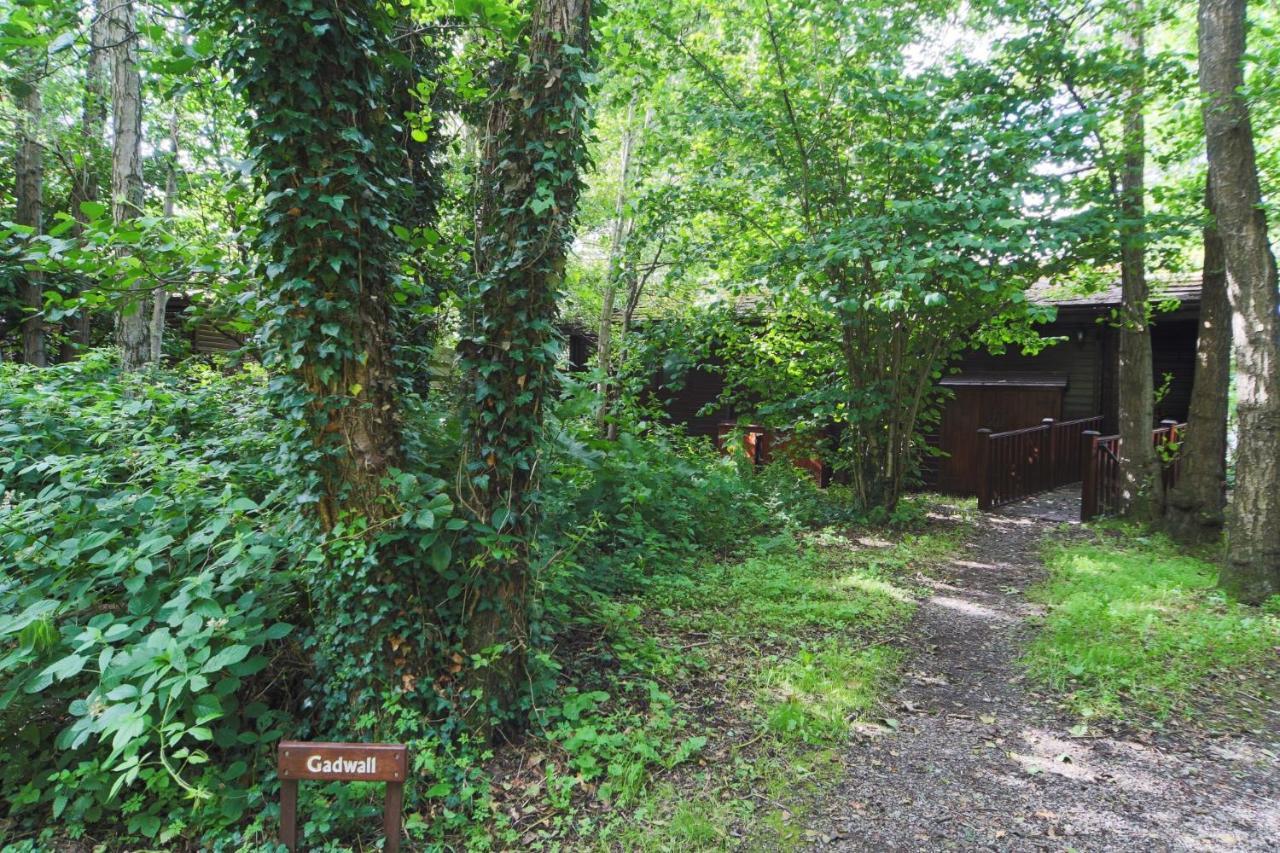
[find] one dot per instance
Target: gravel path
(980, 761)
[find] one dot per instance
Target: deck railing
(1019, 463)
(1100, 488)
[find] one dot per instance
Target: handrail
(1018, 463)
(1100, 488)
(1049, 424)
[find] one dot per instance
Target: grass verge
(1136, 631)
(780, 655)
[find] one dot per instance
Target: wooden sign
(342, 762)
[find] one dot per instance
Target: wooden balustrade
(1019, 463)
(1100, 487)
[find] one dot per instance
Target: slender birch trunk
(1252, 569)
(29, 178)
(94, 105)
(159, 297)
(126, 172)
(617, 248)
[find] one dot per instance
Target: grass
(715, 706)
(782, 653)
(1136, 630)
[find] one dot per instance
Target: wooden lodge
(1071, 379)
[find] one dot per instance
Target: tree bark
(528, 186)
(29, 178)
(1252, 568)
(1140, 482)
(126, 173)
(1194, 507)
(617, 248)
(158, 295)
(94, 105)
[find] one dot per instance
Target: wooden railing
(1100, 487)
(1020, 463)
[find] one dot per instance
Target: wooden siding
(1173, 352)
(996, 409)
(1080, 360)
(697, 389)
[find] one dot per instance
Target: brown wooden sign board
(342, 762)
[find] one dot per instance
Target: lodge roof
(1005, 379)
(1184, 288)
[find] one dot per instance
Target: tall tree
(95, 103)
(1140, 482)
(127, 188)
(319, 78)
(622, 224)
(531, 156)
(1252, 568)
(1194, 507)
(29, 176)
(328, 161)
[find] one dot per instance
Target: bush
(150, 552)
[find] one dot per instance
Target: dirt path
(980, 761)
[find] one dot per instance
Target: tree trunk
(1140, 483)
(29, 177)
(532, 152)
(84, 185)
(1252, 568)
(159, 298)
(126, 172)
(1193, 508)
(319, 88)
(617, 247)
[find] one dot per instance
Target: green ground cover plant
(156, 617)
(1136, 631)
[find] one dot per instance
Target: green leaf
(67, 667)
(226, 657)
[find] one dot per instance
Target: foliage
(1135, 630)
(148, 651)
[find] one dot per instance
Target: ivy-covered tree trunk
(324, 131)
(1193, 508)
(1252, 568)
(532, 153)
(29, 179)
(324, 145)
(1140, 483)
(127, 189)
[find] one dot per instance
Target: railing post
(984, 469)
(1050, 450)
(1089, 476)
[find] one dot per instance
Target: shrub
(149, 556)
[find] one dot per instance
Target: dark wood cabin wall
(1173, 351)
(1079, 360)
(698, 388)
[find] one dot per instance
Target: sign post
(342, 762)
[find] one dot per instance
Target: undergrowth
(1136, 631)
(699, 651)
